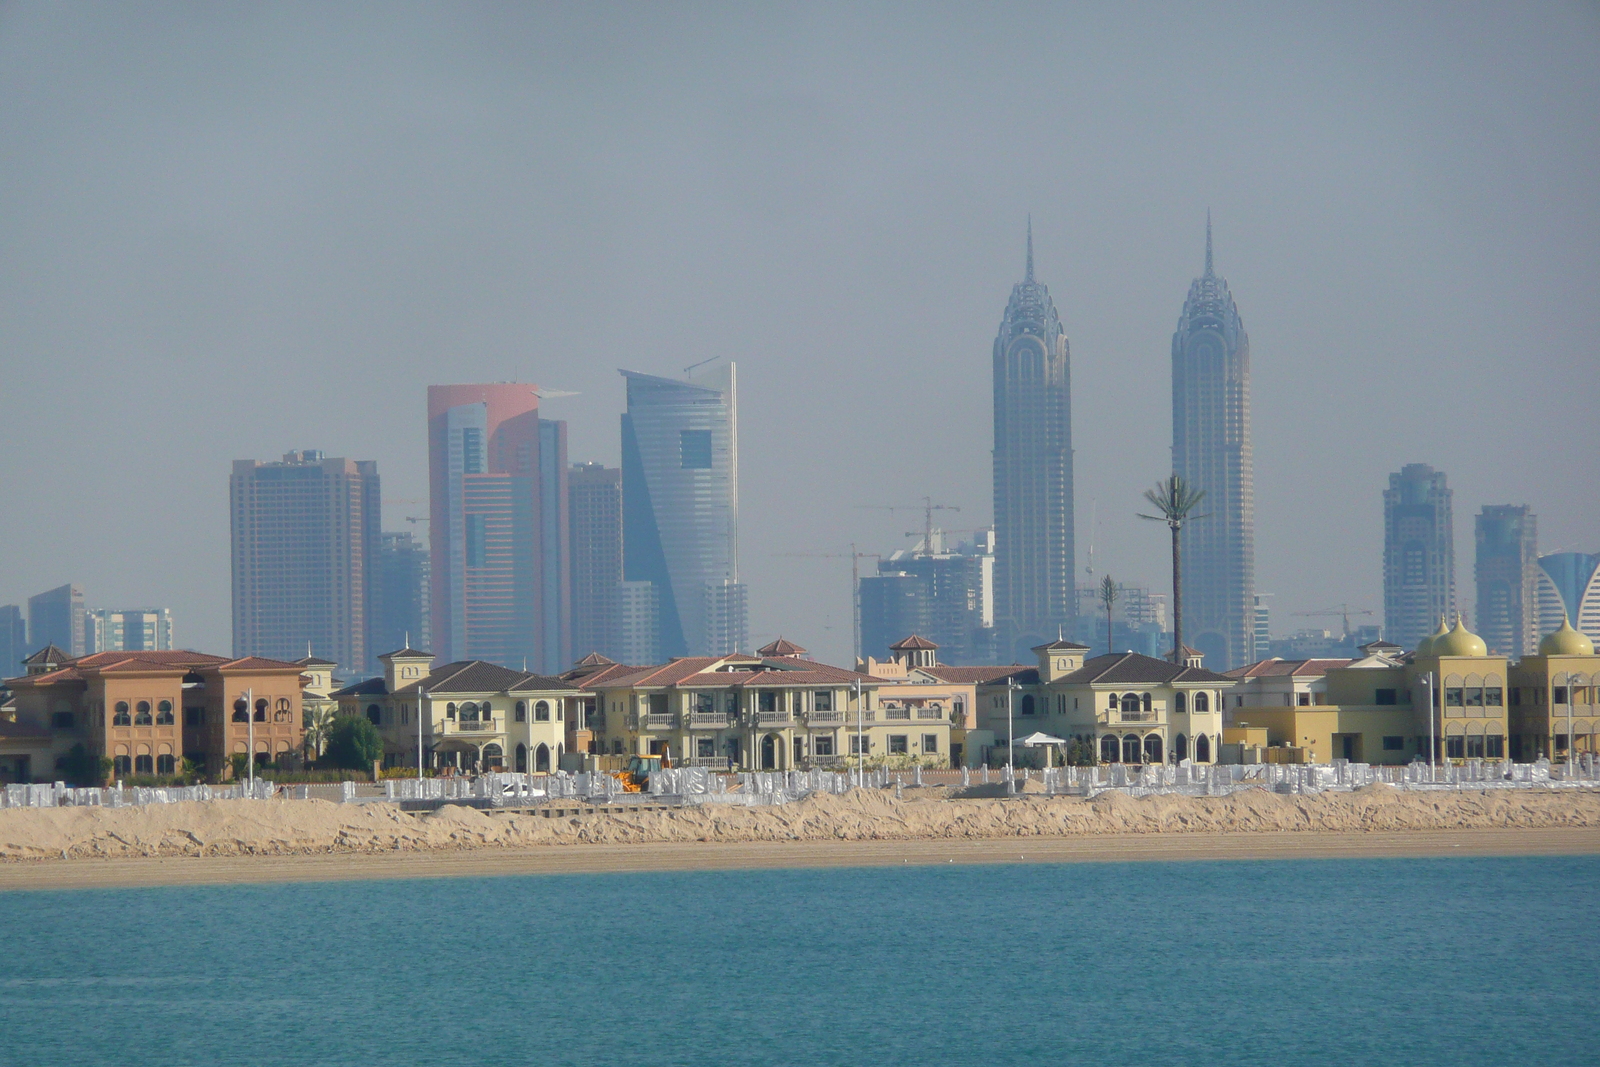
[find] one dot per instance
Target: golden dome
(1425, 646)
(1458, 642)
(1566, 642)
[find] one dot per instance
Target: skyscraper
(1211, 451)
(13, 640)
(1033, 528)
(58, 617)
(129, 630)
(401, 613)
(1419, 554)
(680, 510)
(594, 503)
(1507, 572)
(941, 595)
(305, 536)
(1569, 585)
(498, 527)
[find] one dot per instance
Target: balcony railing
(772, 718)
(930, 713)
(897, 714)
(825, 718)
(470, 726)
(709, 720)
(659, 720)
(710, 763)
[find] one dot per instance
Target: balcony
(658, 720)
(471, 727)
(710, 720)
(930, 713)
(897, 714)
(772, 718)
(825, 718)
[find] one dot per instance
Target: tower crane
(855, 584)
(1344, 611)
(927, 507)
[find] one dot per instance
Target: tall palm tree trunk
(1177, 595)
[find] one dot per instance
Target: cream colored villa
(1132, 708)
(1555, 708)
(776, 710)
(474, 716)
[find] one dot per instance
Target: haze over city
(233, 232)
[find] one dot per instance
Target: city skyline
(1402, 210)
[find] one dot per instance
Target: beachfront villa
(149, 711)
(776, 710)
(1132, 708)
(1375, 709)
(1555, 706)
(469, 716)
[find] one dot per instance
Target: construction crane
(1344, 611)
(927, 507)
(855, 584)
(407, 500)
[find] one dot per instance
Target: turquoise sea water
(1473, 961)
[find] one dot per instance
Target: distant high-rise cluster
(1419, 556)
(1211, 451)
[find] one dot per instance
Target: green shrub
(81, 768)
(354, 743)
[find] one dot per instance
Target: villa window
(1385, 697)
(141, 714)
(166, 764)
(450, 712)
(1475, 696)
(164, 713)
(144, 765)
(1493, 696)
(261, 711)
(1558, 694)
(767, 700)
(1475, 746)
(705, 747)
(1130, 705)
(1494, 746)
(1454, 697)
(241, 711)
(61, 720)
(122, 766)
(1455, 747)
(1180, 702)
(822, 746)
(282, 712)
(541, 711)
(705, 704)
(1027, 704)
(469, 712)
(1144, 702)
(1303, 700)
(1394, 744)
(1202, 702)
(194, 717)
(1516, 697)
(522, 711)
(930, 743)
(374, 715)
(897, 745)
(860, 745)
(1113, 701)
(799, 747)
(822, 700)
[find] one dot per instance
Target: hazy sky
(233, 230)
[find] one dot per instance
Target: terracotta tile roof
(1060, 644)
(781, 647)
(314, 661)
(370, 687)
(175, 658)
(914, 643)
(253, 663)
(1282, 668)
(699, 671)
(1132, 668)
(478, 676)
(406, 653)
(594, 659)
(592, 677)
(47, 654)
(977, 675)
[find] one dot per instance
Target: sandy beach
(270, 841)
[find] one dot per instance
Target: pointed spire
(1208, 242)
(1029, 275)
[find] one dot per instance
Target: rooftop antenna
(1208, 242)
(1094, 527)
(408, 639)
(1029, 276)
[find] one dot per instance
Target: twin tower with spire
(1035, 551)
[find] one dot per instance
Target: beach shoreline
(492, 861)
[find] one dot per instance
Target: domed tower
(1034, 552)
(1211, 451)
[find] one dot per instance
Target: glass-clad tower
(1032, 470)
(680, 512)
(1211, 451)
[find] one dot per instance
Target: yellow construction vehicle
(636, 779)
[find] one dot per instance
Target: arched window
(493, 758)
(1180, 701)
(1202, 748)
(144, 765)
(261, 711)
(522, 750)
(1130, 705)
(541, 759)
(1180, 747)
(166, 764)
(1152, 748)
(121, 766)
(522, 716)
(1108, 749)
(1144, 701)
(120, 716)
(541, 711)
(374, 714)
(164, 713)
(1027, 704)
(1112, 701)
(1202, 702)
(1130, 748)
(241, 711)
(450, 712)
(141, 714)
(469, 711)
(281, 712)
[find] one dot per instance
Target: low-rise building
(1554, 706)
(1132, 708)
(468, 716)
(149, 711)
(776, 710)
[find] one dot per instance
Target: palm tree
(1108, 596)
(1176, 501)
(319, 725)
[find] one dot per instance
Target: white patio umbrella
(1040, 740)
